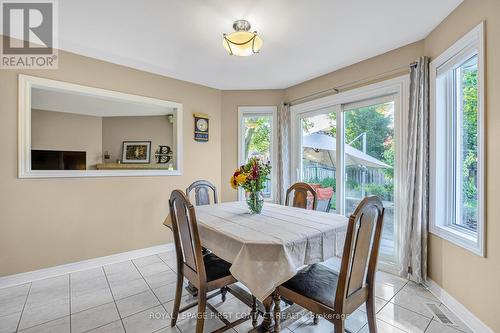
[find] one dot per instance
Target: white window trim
(244, 111)
(439, 212)
(398, 86)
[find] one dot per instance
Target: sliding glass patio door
(369, 162)
(349, 151)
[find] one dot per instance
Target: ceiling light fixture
(242, 42)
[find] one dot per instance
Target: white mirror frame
(24, 131)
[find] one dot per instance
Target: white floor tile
(161, 279)
(154, 269)
(84, 301)
(12, 299)
(42, 312)
(170, 258)
(382, 327)
(126, 288)
(93, 318)
(144, 261)
(414, 302)
(396, 281)
(61, 325)
(419, 290)
(168, 330)
(8, 323)
(49, 289)
(136, 303)
(379, 304)
(212, 323)
(88, 281)
(114, 327)
(403, 319)
(356, 321)
(147, 321)
(323, 326)
(385, 291)
(437, 327)
(166, 293)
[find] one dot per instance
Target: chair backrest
(186, 237)
(300, 194)
(201, 192)
(359, 259)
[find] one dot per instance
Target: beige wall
(231, 100)
(47, 222)
(67, 131)
(472, 280)
(115, 130)
(378, 68)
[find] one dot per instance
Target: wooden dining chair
(206, 272)
(202, 188)
(300, 195)
(334, 295)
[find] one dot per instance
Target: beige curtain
(283, 167)
(416, 186)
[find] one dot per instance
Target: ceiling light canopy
(242, 42)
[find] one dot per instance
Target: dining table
(268, 249)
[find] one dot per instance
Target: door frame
(399, 87)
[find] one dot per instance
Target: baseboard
(17, 279)
(473, 322)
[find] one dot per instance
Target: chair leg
(202, 304)
(315, 319)
(370, 313)
(223, 292)
(277, 312)
(254, 314)
(177, 300)
(339, 326)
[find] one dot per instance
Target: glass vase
(255, 201)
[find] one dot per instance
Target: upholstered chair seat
(316, 282)
(215, 267)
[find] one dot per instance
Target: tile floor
(137, 296)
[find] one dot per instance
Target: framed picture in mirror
(136, 152)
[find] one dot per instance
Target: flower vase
(255, 201)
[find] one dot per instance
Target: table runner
(267, 249)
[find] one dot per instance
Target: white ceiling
(302, 39)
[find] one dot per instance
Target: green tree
(376, 121)
(469, 146)
(257, 135)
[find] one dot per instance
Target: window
(348, 146)
(257, 138)
(457, 140)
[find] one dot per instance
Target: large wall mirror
(70, 130)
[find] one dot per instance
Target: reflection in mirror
(102, 132)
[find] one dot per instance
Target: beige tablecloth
(267, 249)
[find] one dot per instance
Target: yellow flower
(234, 185)
(241, 178)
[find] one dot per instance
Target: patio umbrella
(321, 148)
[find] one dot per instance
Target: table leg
(267, 323)
(277, 312)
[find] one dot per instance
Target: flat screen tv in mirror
(70, 130)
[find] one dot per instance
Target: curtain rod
(336, 90)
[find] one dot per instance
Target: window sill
(460, 238)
